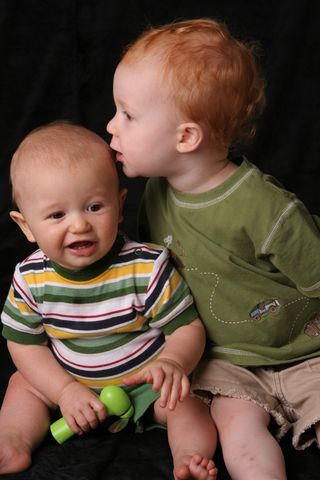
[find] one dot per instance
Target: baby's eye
(57, 215)
(94, 207)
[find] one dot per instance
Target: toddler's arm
(169, 371)
(78, 404)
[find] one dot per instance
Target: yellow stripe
(113, 274)
(20, 305)
(132, 326)
(113, 381)
(175, 280)
(53, 332)
(61, 334)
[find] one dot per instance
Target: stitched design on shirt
(246, 320)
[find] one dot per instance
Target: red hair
(212, 77)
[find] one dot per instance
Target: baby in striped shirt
(90, 308)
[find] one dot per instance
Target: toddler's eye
(94, 207)
(127, 115)
(57, 215)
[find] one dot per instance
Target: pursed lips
(119, 157)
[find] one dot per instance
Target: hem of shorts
(303, 445)
(283, 428)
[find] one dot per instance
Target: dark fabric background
(57, 61)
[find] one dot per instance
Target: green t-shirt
(249, 251)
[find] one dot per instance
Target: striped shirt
(102, 323)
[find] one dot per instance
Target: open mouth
(84, 248)
(81, 246)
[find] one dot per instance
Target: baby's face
(73, 215)
(144, 128)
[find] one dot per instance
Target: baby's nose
(79, 225)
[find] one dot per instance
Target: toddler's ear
(189, 137)
(20, 220)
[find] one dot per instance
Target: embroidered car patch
(262, 308)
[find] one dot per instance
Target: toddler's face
(144, 128)
(73, 215)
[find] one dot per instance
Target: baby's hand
(165, 375)
(81, 407)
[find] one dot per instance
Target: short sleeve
(169, 303)
(21, 319)
(294, 248)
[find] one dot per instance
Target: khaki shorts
(290, 394)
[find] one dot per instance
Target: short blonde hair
(212, 77)
(59, 143)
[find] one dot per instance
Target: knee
(18, 383)
(223, 415)
(17, 380)
(233, 413)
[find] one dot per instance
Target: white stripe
(95, 311)
(10, 322)
(115, 356)
(187, 301)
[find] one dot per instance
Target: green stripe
(100, 344)
(181, 292)
(91, 294)
(24, 338)
(186, 317)
(30, 320)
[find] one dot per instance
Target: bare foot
(195, 467)
(14, 455)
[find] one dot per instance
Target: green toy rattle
(114, 398)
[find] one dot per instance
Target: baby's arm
(78, 404)
(168, 373)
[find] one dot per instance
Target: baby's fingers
(185, 388)
(166, 393)
(137, 378)
(77, 424)
(99, 410)
(174, 397)
(179, 390)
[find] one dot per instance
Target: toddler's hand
(167, 375)
(81, 407)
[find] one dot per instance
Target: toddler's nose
(111, 126)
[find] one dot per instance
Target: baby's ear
(189, 137)
(21, 221)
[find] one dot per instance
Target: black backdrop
(57, 61)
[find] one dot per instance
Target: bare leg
(24, 422)
(192, 437)
(250, 451)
